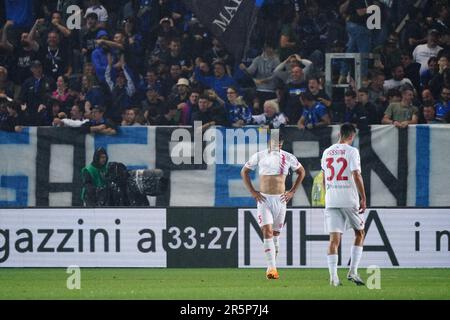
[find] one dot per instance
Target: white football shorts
(272, 211)
(342, 219)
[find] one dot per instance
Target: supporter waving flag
(231, 21)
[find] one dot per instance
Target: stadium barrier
(212, 237)
(40, 167)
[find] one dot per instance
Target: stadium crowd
(151, 62)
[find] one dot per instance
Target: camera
(130, 188)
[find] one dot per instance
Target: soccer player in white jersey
(274, 165)
(343, 207)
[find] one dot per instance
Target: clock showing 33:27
(201, 237)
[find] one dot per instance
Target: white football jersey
(273, 163)
(338, 163)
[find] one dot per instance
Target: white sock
(276, 242)
(332, 265)
(356, 253)
(269, 251)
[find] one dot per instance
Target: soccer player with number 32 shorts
(274, 165)
(343, 206)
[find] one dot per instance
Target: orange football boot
(272, 273)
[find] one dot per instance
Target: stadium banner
(40, 167)
(212, 238)
(404, 238)
(82, 237)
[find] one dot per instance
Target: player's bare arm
(362, 193)
(287, 196)
(248, 184)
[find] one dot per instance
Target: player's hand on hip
(258, 196)
(287, 196)
(362, 206)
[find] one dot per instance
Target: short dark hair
(393, 93)
(395, 67)
(120, 31)
(220, 63)
(308, 96)
(442, 54)
(92, 15)
(431, 59)
(99, 108)
(234, 88)
(350, 93)
(364, 90)
(426, 88)
(347, 130)
(406, 87)
(314, 78)
(407, 54)
(270, 43)
(79, 106)
(152, 70)
(4, 102)
(55, 31)
(14, 105)
(204, 97)
(196, 90)
(176, 64)
(376, 73)
(433, 32)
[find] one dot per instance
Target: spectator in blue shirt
(91, 91)
(122, 89)
(21, 12)
(427, 75)
(239, 114)
(36, 90)
(354, 112)
(315, 113)
(133, 47)
(443, 107)
(98, 123)
(100, 56)
(219, 82)
(47, 113)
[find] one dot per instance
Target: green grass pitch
(219, 284)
